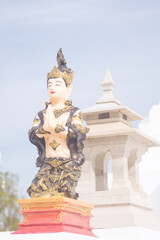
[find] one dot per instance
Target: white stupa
(113, 138)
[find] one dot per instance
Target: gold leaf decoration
(59, 112)
(81, 128)
(36, 121)
(42, 131)
(59, 128)
(54, 144)
(68, 102)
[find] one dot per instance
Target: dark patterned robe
(58, 175)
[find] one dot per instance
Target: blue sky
(94, 34)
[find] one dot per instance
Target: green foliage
(9, 209)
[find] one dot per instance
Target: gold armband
(81, 128)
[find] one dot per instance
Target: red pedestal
(56, 214)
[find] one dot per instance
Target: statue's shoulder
(43, 110)
(74, 110)
(76, 115)
(41, 113)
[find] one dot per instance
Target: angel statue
(58, 134)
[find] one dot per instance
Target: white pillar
(134, 161)
(120, 153)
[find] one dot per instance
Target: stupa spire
(108, 87)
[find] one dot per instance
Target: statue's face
(58, 90)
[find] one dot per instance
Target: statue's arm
(37, 128)
(38, 139)
(77, 122)
(76, 135)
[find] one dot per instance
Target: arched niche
(103, 171)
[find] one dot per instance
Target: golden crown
(62, 71)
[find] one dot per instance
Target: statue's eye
(58, 83)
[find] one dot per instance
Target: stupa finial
(108, 86)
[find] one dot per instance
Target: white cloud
(150, 165)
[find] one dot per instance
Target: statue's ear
(69, 90)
